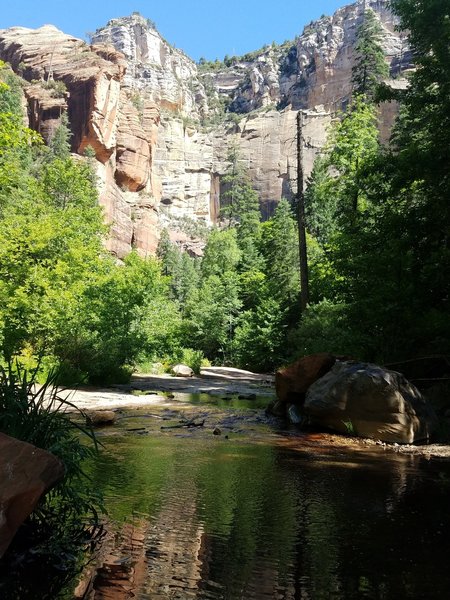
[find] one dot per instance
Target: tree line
(377, 239)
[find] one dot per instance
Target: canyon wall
(161, 126)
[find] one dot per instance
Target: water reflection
(227, 520)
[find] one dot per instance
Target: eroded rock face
(184, 163)
(139, 103)
(102, 115)
(166, 74)
(45, 110)
(370, 401)
(26, 473)
(93, 81)
(313, 70)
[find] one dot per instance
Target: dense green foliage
(378, 226)
(391, 256)
(62, 297)
(65, 522)
(378, 222)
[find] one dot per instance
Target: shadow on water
(233, 401)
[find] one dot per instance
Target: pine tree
(60, 141)
(168, 254)
(241, 210)
(370, 66)
(280, 249)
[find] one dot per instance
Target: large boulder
(26, 473)
(182, 371)
(370, 401)
(293, 381)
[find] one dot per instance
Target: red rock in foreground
(26, 472)
(293, 381)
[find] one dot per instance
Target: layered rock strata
(154, 118)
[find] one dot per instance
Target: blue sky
(200, 28)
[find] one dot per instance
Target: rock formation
(370, 401)
(156, 122)
(292, 382)
(26, 472)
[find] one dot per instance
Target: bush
(57, 89)
(37, 414)
(194, 359)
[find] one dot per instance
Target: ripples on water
(221, 519)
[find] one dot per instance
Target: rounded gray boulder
(370, 401)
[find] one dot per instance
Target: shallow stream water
(259, 512)
(266, 514)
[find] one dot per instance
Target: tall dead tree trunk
(304, 278)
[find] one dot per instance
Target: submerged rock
(101, 417)
(370, 401)
(294, 414)
(26, 473)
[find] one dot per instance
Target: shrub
(194, 359)
(325, 327)
(57, 88)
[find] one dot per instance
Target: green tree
(335, 190)
(48, 252)
(260, 337)
(16, 140)
(212, 310)
(321, 202)
(213, 314)
(60, 141)
(123, 311)
(280, 249)
(241, 210)
(370, 66)
(185, 279)
(221, 253)
(10, 90)
(414, 214)
(168, 253)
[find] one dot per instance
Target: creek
(265, 513)
(210, 499)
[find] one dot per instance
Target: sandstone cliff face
(164, 73)
(102, 116)
(144, 107)
(313, 73)
(313, 70)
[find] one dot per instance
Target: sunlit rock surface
(370, 401)
(152, 116)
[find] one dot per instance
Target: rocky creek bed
(211, 498)
(208, 497)
(223, 399)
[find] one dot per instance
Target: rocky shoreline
(168, 399)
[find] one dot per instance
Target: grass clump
(50, 546)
